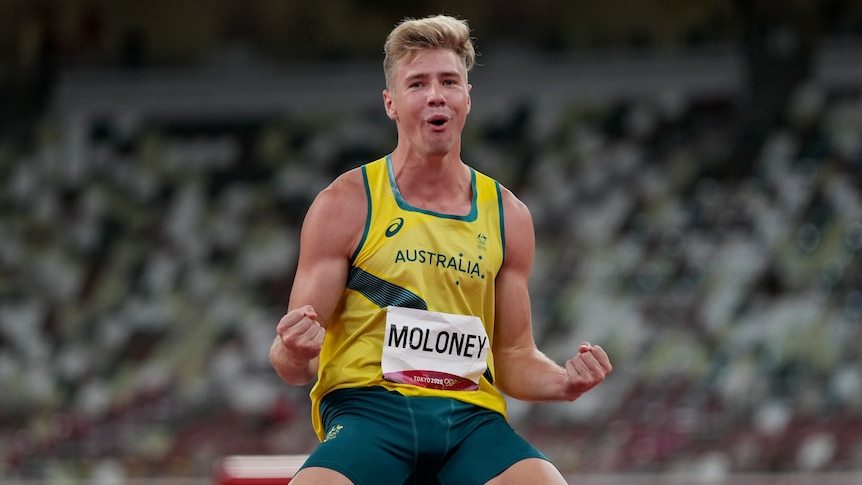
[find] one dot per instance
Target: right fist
(301, 334)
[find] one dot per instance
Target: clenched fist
(586, 369)
(301, 334)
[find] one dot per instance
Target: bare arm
(330, 233)
(522, 370)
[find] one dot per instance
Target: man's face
(429, 100)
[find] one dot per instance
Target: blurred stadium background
(694, 170)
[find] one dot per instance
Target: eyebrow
(423, 75)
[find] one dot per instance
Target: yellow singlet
(415, 259)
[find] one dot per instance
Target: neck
(441, 184)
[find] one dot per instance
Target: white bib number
(434, 350)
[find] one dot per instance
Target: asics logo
(394, 226)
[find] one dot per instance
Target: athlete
(410, 305)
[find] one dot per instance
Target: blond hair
(435, 32)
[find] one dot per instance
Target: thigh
(487, 447)
(367, 440)
(530, 470)
(319, 476)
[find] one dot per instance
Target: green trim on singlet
(502, 219)
(399, 199)
(367, 216)
(381, 292)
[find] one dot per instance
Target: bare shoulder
(519, 231)
(340, 210)
(516, 214)
(345, 191)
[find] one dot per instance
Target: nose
(435, 96)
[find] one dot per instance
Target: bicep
(513, 322)
(319, 281)
(329, 235)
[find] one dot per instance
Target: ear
(388, 104)
(469, 98)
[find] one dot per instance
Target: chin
(439, 149)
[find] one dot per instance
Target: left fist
(586, 369)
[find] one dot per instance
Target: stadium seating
(141, 284)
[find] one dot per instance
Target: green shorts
(375, 436)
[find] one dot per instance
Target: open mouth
(438, 120)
